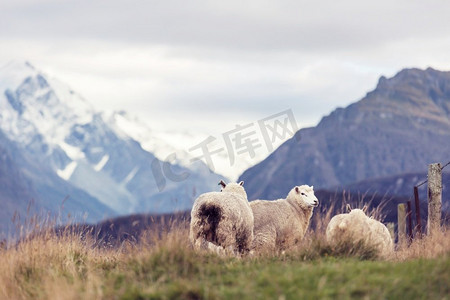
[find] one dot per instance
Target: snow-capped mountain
(164, 143)
(29, 186)
(161, 144)
(101, 154)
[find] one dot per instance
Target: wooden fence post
(418, 219)
(409, 218)
(391, 227)
(401, 225)
(434, 198)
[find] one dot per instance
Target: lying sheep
(222, 220)
(282, 223)
(355, 227)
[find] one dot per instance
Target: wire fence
(426, 180)
(418, 228)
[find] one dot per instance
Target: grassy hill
(162, 265)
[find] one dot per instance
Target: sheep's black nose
(316, 202)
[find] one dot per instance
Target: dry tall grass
(71, 265)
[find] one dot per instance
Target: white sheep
(222, 221)
(355, 227)
(282, 223)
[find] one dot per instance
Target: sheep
(282, 223)
(222, 221)
(355, 227)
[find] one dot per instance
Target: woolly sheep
(222, 221)
(282, 223)
(355, 227)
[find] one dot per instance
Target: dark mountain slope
(29, 187)
(400, 127)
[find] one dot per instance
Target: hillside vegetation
(162, 265)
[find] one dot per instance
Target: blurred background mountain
(65, 157)
(398, 128)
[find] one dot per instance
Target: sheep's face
(232, 187)
(306, 195)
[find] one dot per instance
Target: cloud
(184, 63)
(256, 25)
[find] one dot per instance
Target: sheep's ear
(223, 184)
(297, 190)
(364, 209)
(241, 183)
(312, 187)
(348, 208)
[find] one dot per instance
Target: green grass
(326, 278)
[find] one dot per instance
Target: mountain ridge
(401, 126)
(80, 153)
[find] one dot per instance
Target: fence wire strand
(422, 183)
(445, 165)
(425, 181)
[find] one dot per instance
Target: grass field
(164, 266)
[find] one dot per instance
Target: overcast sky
(207, 65)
